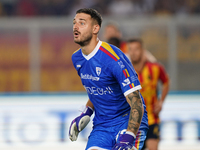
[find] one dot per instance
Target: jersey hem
(132, 90)
(96, 147)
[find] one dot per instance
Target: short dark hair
(113, 24)
(93, 13)
(135, 40)
(114, 41)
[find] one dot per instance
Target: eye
(82, 23)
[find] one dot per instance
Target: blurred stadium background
(41, 92)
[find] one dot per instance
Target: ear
(96, 29)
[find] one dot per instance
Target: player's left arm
(124, 73)
(160, 101)
(136, 112)
(164, 91)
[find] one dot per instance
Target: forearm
(165, 90)
(89, 103)
(136, 111)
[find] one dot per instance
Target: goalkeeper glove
(125, 141)
(79, 123)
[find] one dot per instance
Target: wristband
(88, 111)
(127, 137)
(131, 133)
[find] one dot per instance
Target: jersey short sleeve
(125, 74)
(163, 76)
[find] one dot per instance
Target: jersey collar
(93, 52)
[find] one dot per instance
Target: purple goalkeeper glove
(125, 141)
(79, 123)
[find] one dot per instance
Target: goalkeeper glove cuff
(125, 141)
(127, 137)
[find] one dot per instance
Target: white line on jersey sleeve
(132, 90)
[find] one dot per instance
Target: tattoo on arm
(136, 112)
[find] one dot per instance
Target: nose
(75, 26)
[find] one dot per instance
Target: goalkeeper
(120, 121)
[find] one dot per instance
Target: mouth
(76, 34)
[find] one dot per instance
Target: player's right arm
(80, 122)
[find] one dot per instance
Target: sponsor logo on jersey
(89, 77)
(98, 70)
(98, 91)
(126, 82)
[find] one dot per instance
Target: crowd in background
(35, 8)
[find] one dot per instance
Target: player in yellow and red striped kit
(149, 74)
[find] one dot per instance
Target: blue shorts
(104, 138)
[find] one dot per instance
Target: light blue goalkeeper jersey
(108, 76)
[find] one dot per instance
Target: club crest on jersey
(78, 66)
(98, 70)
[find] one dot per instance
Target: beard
(137, 61)
(86, 39)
